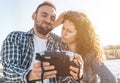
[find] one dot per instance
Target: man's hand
(60, 19)
(37, 71)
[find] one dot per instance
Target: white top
(40, 45)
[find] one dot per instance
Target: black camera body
(61, 61)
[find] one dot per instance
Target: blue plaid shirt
(17, 54)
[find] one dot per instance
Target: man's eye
(44, 15)
(53, 18)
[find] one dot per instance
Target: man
(19, 49)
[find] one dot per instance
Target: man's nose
(48, 20)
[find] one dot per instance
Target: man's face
(44, 19)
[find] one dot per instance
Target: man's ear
(34, 16)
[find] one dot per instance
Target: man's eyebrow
(44, 13)
(54, 15)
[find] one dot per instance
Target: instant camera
(61, 61)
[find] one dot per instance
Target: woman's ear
(34, 16)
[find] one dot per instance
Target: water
(114, 66)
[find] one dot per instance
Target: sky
(104, 14)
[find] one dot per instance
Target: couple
(78, 35)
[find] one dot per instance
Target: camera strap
(42, 74)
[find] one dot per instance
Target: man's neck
(41, 35)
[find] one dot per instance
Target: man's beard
(44, 30)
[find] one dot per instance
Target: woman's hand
(60, 19)
(77, 71)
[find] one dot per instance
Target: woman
(80, 37)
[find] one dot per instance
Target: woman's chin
(64, 41)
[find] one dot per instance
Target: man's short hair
(46, 3)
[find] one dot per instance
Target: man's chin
(47, 26)
(43, 33)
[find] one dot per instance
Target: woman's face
(69, 32)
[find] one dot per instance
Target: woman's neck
(72, 47)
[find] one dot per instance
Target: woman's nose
(64, 33)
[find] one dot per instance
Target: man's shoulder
(17, 36)
(20, 33)
(15, 33)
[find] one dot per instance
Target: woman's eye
(70, 31)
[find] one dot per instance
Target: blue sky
(105, 16)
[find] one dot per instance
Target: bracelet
(79, 79)
(27, 77)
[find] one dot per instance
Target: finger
(79, 61)
(74, 69)
(49, 67)
(49, 74)
(37, 70)
(77, 56)
(76, 62)
(38, 64)
(80, 73)
(34, 75)
(80, 69)
(46, 64)
(60, 19)
(75, 76)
